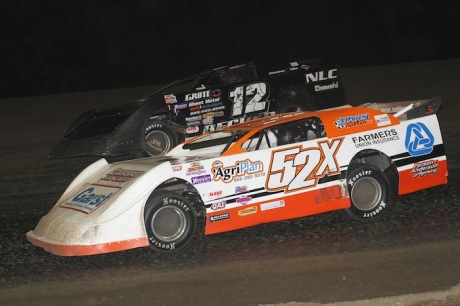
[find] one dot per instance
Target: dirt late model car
(269, 169)
(201, 103)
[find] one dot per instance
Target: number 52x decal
(297, 168)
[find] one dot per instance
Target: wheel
(370, 193)
(169, 220)
(159, 138)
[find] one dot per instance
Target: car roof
(328, 117)
(365, 119)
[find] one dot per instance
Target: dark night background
(54, 46)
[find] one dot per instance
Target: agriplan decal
(241, 170)
(297, 168)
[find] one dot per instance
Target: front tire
(169, 220)
(370, 193)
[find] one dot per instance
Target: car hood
(107, 132)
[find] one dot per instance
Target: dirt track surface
(409, 258)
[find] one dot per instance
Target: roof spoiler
(408, 109)
(421, 108)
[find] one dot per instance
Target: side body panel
(272, 184)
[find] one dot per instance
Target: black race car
(201, 103)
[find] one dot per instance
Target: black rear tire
(159, 138)
(370, 193)
(169, 220)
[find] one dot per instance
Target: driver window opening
(289, 133)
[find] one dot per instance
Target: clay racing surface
(410, 257)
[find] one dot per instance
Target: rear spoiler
(408, 109)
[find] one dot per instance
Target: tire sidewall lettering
(174, 201)
(153, 126)
(363, 173)
(380, 208)
(368, 171)
(168, 198)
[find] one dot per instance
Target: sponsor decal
(219, 205)
(195, 103)
(298, 168)
(244, 168)
(382, 120)
(423, 168)
(202, 111)
(195, 108)
(209, 115)
(305, 66)
(211, 105)
(209, 120)
(180, 106)
(375, 138)
(90, 198)
(219, 217)
(216, 93)
(314, 77)
(272, 205)
(177, 168)
(120, 176)
(218, 114)
(419, 140)
(247, 211)
(391, 109)
(352, 121)
(194, 118)
(192, 130)
(194, 123)
(201, 179)
(170, 99)
(326, 87)
(195, 169)
(198, 95)
(241, 189)
(215, 194)
(212, 100)
(243, 200)
(294, 64)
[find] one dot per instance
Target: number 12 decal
(297, 168)
(249, 98)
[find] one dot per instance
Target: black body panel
(205, 102)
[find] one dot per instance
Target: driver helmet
(287, 135)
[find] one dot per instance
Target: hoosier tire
(169, 220)
(159, 138)
(370, 193)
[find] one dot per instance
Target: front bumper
(84, 250)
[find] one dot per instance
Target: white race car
(269, 169)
